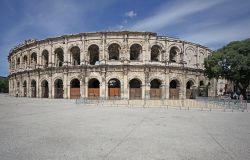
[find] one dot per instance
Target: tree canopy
(231, 62)
(4, 85)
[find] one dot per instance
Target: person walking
(241, 98)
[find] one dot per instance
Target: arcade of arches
(114, 89)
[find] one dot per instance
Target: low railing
(226, 103)
(201, 102)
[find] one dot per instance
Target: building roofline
(30, 42)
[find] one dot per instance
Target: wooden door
(155, 93)
(75, 93)
(173, 93)
(135, 93)
(45, 92)
(93, 93)
(114, 93)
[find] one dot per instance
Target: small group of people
(237, 96)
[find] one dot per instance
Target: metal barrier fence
(200, 102)
(233, 104)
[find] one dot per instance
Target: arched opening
(202, 89)
(25, 61)
(45, 89)
(59, 57)
(114, 51)
(33, 59)
(33, 89)
(25, 88)
(174, 88)
(189, 90)
(114, 88)
(18, 62)
(75, 55)
(135, 91)
(135, 52)
(155, 53)
(201, 83)
(93, 51)
(75, 89)
(45, 58)
(155, 89)
(173, 54)
(58, 88)
(93, 88)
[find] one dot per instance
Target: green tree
(231, 62)
(4, 85)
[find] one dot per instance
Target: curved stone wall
(110, 65)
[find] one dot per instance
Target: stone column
(86, 87)
(167, 85)
(28, 88)
(82, 87)
(125, 92)
(65, 84)
(122, 90)
(39, 58)
(163, 91)
(66, 54)
(143, 87)
(51, 56)
(147, 90)
(50, 88)
(82, 51)
(197, 87)
(146, 52)
(21, 62)
(104, 88)
(16, 64)
(184, 89)
(68, 92)
(37, 87)
(102, 51)
(183, 85)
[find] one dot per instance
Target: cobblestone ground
(32, 129)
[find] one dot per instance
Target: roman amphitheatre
(109, 65)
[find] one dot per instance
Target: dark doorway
(45, 89)
(75, 89)
(114, 89)
(33, 89)
(155, 89)
(174, 89)
(135, 91)
(93, 88)
(58, 87)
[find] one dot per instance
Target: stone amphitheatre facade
(109, 65)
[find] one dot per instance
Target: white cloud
(220, 34)
(131, 14)
(46, 18)
(170, 14)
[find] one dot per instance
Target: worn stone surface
(104, 56)
(59, 129)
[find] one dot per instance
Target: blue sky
(212, 23)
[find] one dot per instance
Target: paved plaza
(53, 129)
